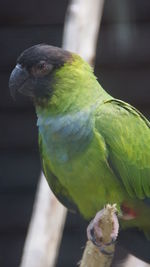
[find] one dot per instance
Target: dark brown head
(32, 75)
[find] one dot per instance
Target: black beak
(17, 79)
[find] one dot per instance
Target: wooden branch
(45, 230)
(82, 26)
(133, 261)
(92, 255)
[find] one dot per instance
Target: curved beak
(17, 78)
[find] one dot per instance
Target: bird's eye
(42, 65)
(41, 69)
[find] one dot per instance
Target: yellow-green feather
(127, 134)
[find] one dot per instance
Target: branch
(133, 261)
(83, 19)
(45, 230)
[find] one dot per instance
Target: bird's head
(33, 73)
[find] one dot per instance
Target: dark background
(122, 67)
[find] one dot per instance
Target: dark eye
(41, 69)
(42, 65)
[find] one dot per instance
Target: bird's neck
(74, 88)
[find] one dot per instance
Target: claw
(95, 232)
(105, 252)
(101, 247)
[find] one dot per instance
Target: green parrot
(95, 149)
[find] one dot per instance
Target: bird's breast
(65, 136)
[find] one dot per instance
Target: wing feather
(127, 135)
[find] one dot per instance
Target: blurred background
(123, 69)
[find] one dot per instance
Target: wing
(127, 136)
(59, 191)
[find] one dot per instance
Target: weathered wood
(133, 261)
(82, 27)
(45, 231)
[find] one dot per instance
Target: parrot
(95, 149)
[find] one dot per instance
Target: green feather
(127, 133)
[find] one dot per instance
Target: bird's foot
(96, 231)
